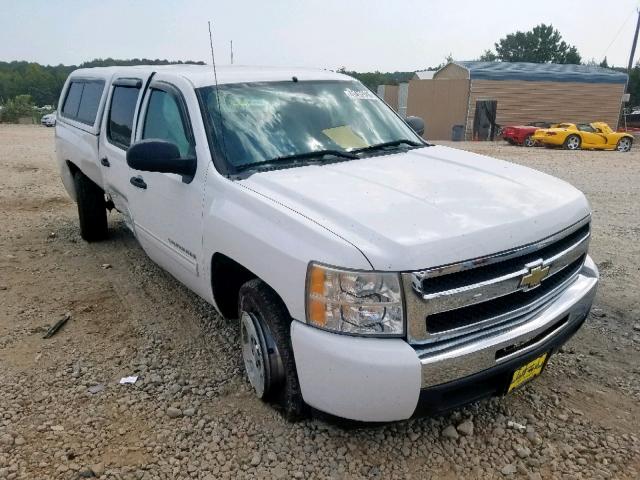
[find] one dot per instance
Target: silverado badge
(533, 278)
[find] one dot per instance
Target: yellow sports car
(592, 136)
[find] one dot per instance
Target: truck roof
(202, 75)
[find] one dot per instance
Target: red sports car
(522, 134)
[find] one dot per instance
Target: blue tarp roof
(542, 72)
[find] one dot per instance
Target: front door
(116, 135)
(167, 208)
(592, 137)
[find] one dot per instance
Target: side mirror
(417, 124)
(159, 156)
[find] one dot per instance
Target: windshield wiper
(393, 143)
(295, 158)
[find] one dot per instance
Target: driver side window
(164, 121)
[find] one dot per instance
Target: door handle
(105, 162)
(138, 182)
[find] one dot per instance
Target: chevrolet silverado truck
(374, 276)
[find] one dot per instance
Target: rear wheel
(268, 358)
(624, 144)
(92, 208)
(572, 142)
(529, 141)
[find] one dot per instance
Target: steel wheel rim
(528, 142)
(624, 145)
(573, 143)
(252, 353)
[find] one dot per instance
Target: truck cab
(374, 276)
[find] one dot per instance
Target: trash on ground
(132, 379)
(516, 426)
(56, 326)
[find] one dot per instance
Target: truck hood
(426, 207)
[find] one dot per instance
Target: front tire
(572, 142)
(624, 144)
(265, 336)
(529, 141)
(92, 208)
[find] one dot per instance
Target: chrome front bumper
(445, 361)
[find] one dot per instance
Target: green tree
(16, 108)
(542, 44)
(604, 63)
(44, 82)
(373, 79)
(488, 56)
(634, 86)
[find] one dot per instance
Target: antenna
(231, 52)
(215, 77)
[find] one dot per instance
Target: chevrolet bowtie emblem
(534, 277)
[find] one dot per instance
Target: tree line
(43, 83)
(542, 44)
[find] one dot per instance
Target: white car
(48, 120)
(375, 276)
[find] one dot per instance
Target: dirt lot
(191, 414)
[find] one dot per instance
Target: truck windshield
(263, 123)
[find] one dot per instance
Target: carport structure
(482, 95)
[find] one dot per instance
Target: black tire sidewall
(566, 142)
(259, 300)
(92, 209)
(630, 145)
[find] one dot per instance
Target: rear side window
(121, 111)
(91, 94)
(83, 100)
(72, 102)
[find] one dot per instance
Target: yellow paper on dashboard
(345, 137)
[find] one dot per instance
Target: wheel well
(227, 276)
(72, 167)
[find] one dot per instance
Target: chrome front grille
(467, 297)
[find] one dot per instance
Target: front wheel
(572, 142)
(624, 144)
(529, 141)
(267, 353)
(92, 208)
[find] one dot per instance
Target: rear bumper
(380, 380)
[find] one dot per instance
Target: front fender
(269, 239)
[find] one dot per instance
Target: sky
(361, 35)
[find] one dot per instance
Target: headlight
(355, 302)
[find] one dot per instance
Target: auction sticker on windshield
(345, 137)
(527, 372)
(360, 94)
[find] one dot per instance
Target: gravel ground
(191, 413)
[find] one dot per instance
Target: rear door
(167, 208)
(118, 125)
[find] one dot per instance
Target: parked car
(375, 276)
(522, 134)
(590, 136)
(48, 120)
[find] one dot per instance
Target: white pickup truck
(375, 276)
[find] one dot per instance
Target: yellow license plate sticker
(527, 372)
